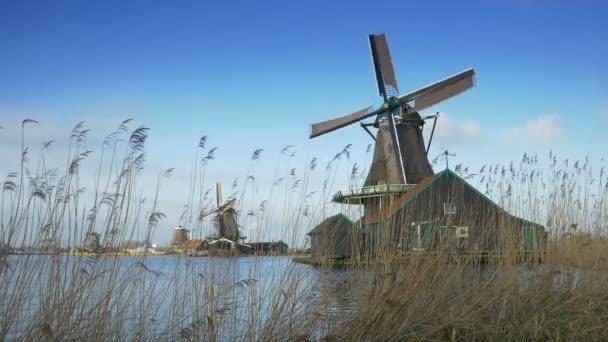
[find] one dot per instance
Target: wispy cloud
(451, 132)
(543, 129)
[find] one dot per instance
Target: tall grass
(108, 296)
(565, 298)
(112, 297)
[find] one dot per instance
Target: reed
(108, 296)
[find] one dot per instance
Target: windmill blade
(231, 204)
(381, 56)
(321, 128)
(207, 213)
(440, 91)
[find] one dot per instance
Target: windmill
(400, 156)
(225, 216)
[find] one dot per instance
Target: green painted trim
(442, 232)
(528, 234)
(427, 235)
(470, 187)
(524, 221)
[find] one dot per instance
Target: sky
(255, 74)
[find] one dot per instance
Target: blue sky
(256, 74)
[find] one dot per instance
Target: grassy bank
(432, 300)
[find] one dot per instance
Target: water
(172, 298)
(162, 297)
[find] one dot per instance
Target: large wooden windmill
(405, 206)
(400, 155)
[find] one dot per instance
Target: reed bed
(108, 296)
(564, 298)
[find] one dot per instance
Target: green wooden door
(442, 233)
(420, 234)
(528, 237)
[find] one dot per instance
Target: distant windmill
(225, 216)
(400, 156)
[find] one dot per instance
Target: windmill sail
(400, 153)
(321, 128)
(440, 91)
(381, 56)
(218, 194)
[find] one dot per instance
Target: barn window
(449, 208)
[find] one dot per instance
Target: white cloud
(543, 129)
(450, 132)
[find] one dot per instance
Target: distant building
(229, 247)
(264, 248)
(195, 247)
(180, 235)
(91, 241)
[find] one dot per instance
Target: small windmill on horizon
(225, 216)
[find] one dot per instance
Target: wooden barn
(332, 237)
(444, 211)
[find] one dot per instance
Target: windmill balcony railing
(372, 191)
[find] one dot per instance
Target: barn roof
(401, 200)
(328, 222)
(192, 244)
(407, 198)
